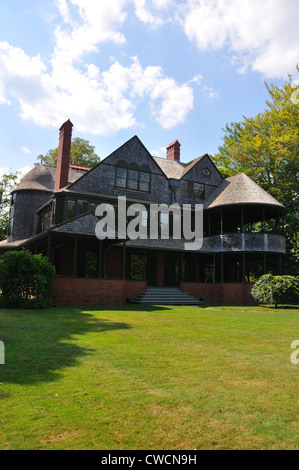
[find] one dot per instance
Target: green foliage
(295, 247)
(266, 147)
(26, 280)
(82, 153)
(7, 184)
(271, 289)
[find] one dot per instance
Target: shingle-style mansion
(53, 212)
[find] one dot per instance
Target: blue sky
(159, 69)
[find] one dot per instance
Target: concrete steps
(166, 296)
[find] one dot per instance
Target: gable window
(144, 181)
(121, 177)
(196, 189)
(132, 177)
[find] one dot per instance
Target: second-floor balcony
(246, 242)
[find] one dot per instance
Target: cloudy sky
(159, 69)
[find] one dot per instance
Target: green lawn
(149, 378)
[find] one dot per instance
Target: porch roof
(238, 190)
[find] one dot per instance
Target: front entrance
(163, 269)
(172, 269)
(152, 268)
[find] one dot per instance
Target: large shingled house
(53, 212)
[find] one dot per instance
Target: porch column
(124, 261)
(182, 277)
(280, 265)
(264, 221)
(214, 278)
(144, 265)
(49, 247)
(75, 257)
(222, 268)
(243, 268)
(242, 220)
(100, 256)
(221, 221)
(265, 263)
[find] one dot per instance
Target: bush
(26, 280)
(271, 289)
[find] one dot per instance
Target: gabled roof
(42, 178)
(239, 189)
(171, 168)
(191, 164)
(176, 169)
(133, 141)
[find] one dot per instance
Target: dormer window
(132, 177)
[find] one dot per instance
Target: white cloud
(210, 92)
(263, 35)
(99, 102)
(25, 150)
(3, 100)
(88, 23)
(196, 79)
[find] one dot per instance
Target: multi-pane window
(71, 205)
(196, 189)
(121, 177)
(144, 181)
(133, 177)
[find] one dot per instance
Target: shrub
(26, 280)
(271, 289)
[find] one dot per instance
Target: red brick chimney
(173, 151)
(64, 153)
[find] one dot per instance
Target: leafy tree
(82, 153)
(271, 289)
(7, 184)
(266, 148)
(26, 280)
(295, 247)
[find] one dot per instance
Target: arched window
(132, 176)
(121, 174)
(144, 180)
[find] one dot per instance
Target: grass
(149, 378)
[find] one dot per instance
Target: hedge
(276, 290)
(26, 280)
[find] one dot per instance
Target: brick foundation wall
(135, 288)
(74, 292)
(198, 290)
(226, 293)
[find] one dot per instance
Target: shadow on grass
(284, 307)
(39, 343)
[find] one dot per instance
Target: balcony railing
(246, 242)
